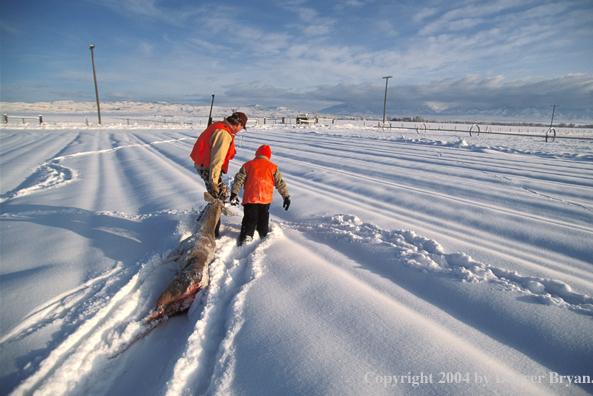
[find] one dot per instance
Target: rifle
(210, 116)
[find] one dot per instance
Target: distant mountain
(348, 111)
(531, 114)
(124, 108)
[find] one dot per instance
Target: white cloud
(146, 49)
(315, 51)
(424, 13)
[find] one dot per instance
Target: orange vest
(201, 152)
(259, 185)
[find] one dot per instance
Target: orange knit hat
(264, 150)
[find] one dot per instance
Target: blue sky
(305, 55)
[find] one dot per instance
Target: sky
(305, 55)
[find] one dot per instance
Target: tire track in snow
(95, 319)
(410, 164)
(309, 178)
(419, 153)
(91, 322)
(403, 211)
(52, 174)
(49, 175)
(428, 256)
(445, 212)
(557, 199)
(79, 352)
(70, 307)
(23, 151)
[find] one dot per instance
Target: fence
(164, 121)
(306, 121)
(475, 130)
(7, 117)
(548, 133)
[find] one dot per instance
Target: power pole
(95, 76)
(385, 103)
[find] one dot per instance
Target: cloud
(152, 10)
(442, 55)
(424, 13)
(304, 45)
(574, 91)
(146, 49)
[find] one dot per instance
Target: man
(213, 151)
(259, 177)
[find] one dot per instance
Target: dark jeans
(255, 217)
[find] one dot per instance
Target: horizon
(135, 108)
(160, 108)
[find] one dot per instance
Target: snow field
(401, 256)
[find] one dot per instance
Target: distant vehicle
(304, 119)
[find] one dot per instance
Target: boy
(259, 177)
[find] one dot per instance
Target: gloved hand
(286, 203)
(215, 190)
(223, 193)
(234, 200)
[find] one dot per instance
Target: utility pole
(553, 111)
(95, 76)
(385, 103)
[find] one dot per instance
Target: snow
(432, 263)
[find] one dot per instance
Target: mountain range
(124, 108)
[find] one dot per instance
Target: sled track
(106, 312)
(207, 362)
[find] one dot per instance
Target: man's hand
(234, 200)
(286, 203)
(215, 190)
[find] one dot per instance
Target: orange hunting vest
(201, 152)
(259, 185)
